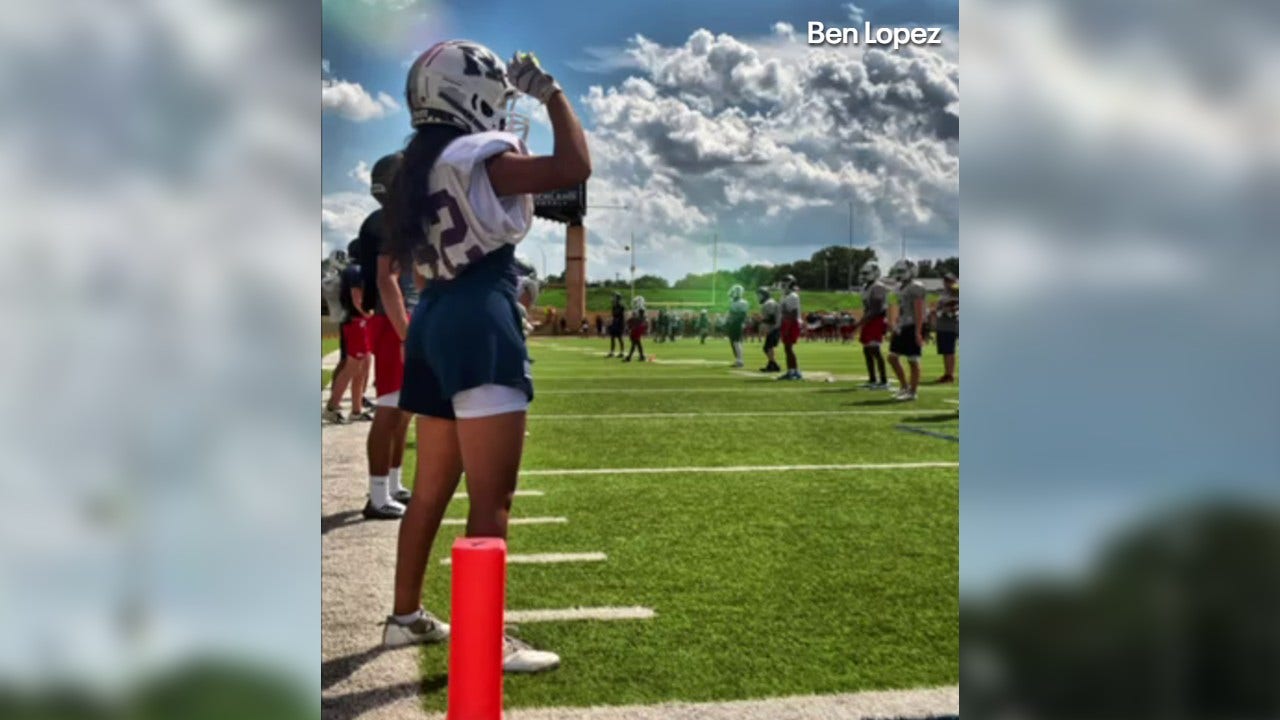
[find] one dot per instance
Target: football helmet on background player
(637, 303)
(903, 271)
(383, 175)
(762, 294)
(788, 282)
(869, 273)
(735, 292)
(461, 83)
(338, 259)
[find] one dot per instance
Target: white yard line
(579, 613)
(514, 521)
(547, 558)
(739, 469)
(775, 413)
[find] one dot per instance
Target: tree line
(831, 268)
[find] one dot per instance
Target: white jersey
(772, 314)
(791, 305)
(471, 220)
(875, 298)
(331, 290)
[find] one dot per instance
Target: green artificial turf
(765, 582)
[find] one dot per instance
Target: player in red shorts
(873, 325)
(353, 370)
(790, 331)
(391, 292)
(638, 327)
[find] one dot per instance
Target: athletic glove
(529, 78)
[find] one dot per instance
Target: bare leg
(342, 376)
(896, 364)
(439, 467)
(491, 449)
(386, 420)
(398, 439)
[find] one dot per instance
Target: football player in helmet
(872, 324)
(353, 342)
(460, 203)
(617, 319)
(704, 326)
(637, 326)
(908, 336)
(527, 289)
(389, 288)
(770, 322)
(738, 309)
(789, 331)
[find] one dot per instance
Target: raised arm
(570, 162)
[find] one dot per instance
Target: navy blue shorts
(462, 339)
(947, 342)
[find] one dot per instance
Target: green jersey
(738, 313)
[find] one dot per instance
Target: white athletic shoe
(518, 657)
(334, 417)
(904, 395)
(423, 631)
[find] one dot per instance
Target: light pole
(543, 253)
(715, 255)
(826, 275)
(632, 248)
(851, 246)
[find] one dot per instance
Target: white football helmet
(735, 292)
(464, 84)
(637, 303)
(903, 271)
(338, 259)
(528, 287)
(869, 273)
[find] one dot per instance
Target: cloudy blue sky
(703, 118)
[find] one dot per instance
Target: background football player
(770, 322)
(353, 369)
(389, 288)
(704, 326)
(946, 322)
(908, 336)
(738, 309)
(461, 202)
(637, 325)
(873, 324)
(618, 318)
(789, 331)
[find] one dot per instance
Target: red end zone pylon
(475, 642)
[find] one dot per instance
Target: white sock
(411, 617)
(378, 492)
(393, 482)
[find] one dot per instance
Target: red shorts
(388, 355)
(872, 331)
(355, 336)
(790, 332)
(638, 330)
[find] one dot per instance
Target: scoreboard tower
(569, 206)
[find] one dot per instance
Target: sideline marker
(475, 642)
